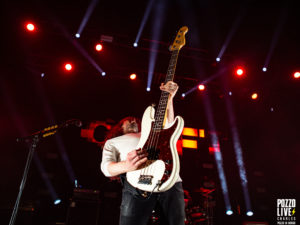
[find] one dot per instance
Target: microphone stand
(35, 140)
(36, 137)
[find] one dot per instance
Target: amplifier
(84, 207)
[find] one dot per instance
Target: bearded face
(130, 127)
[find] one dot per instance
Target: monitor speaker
(84, 207)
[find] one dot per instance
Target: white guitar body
(155, 169)
(161, 170)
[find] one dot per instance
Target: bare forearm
(170, 110)
(117, 168)
(171, 88)
(134, 159)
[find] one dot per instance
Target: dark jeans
(136, 209)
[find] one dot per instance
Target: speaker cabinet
(84, 207)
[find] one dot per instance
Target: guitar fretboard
(163, 102)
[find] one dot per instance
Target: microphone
(49, 131)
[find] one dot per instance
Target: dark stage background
(29, 102)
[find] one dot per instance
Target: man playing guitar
(120, 156)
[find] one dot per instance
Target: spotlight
(103, 73)
(183, 95)
(42, 74)
(68, 66)
(264, 69)
(77, 35)
(229, 212)
(230, 93)
(148, 89)
(30, 27)
(239, 72)
(218, 59)
(254, 96)
(135, 44)
(297, 75)
(249, 213)
(201, 87)
(98, 47)
(57, 201)
(132, 76)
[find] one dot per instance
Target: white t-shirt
(116, 150)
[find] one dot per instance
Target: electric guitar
(161, 170)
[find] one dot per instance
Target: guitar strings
(159, 127)
(154, 135)
(153, 139)
(165, 96)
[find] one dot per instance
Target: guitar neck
(163, 102)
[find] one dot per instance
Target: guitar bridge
(145, 179)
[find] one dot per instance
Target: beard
(132, 128)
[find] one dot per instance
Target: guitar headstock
(179, 41)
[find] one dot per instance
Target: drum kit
(199, 209)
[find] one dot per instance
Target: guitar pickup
(145, 179)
